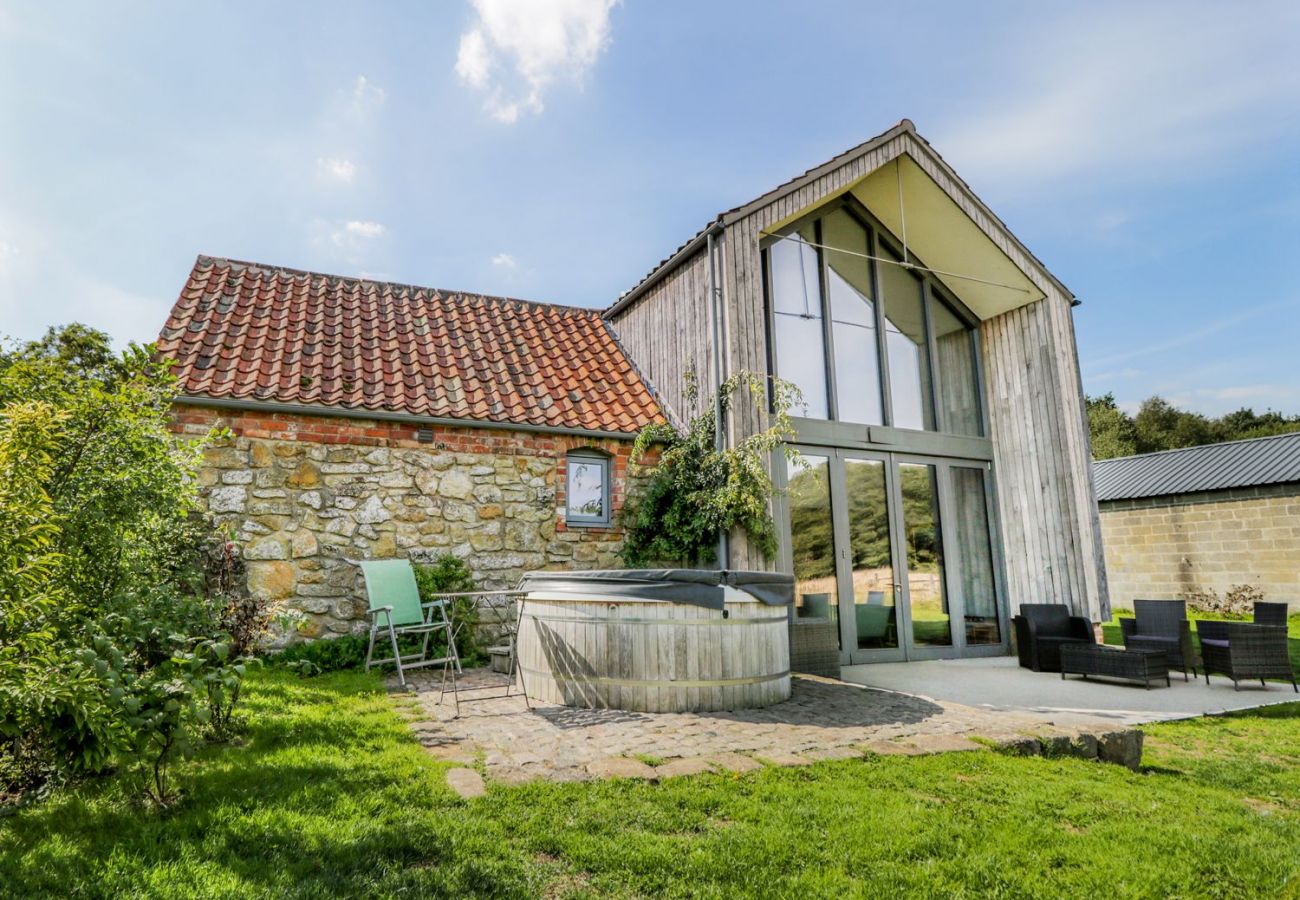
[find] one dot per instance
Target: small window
(586, 489)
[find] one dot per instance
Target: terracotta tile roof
(242, 330)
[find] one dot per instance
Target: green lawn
(1112, 633)
(330, 795)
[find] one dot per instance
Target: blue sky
(1149, 153)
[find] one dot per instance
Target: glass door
(899, 551)
(871, 625)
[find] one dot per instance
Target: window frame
(588, 456)
(879, 238)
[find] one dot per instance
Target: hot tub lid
(698, 587)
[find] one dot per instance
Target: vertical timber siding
(668, 332)
(1050, 530)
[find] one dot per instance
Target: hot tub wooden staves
(653, 656)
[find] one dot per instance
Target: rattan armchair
(1162, 625)
(1041, 629)
(1244, 650)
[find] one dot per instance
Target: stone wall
(304, 493)
(1165, 547)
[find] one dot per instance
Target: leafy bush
(107, 594)
(696, 492)
(328, 655)
(449, 574)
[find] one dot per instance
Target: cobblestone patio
(823, 719)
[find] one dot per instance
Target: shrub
(328, 655)
(449, 574)
(105, 599)
(1239, 600)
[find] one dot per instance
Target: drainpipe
(719, 366)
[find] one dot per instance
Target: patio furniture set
(1157, 638)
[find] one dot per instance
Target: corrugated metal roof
(1212, 467)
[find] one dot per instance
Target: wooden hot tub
(656, 641)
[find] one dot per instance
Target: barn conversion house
(944, 472)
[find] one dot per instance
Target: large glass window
(927, 592)
(907, 346)
(974, 555)
(874, 603)
(813, 543)
(842, 304)
(853, 320)
(797, 319)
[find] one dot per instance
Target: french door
(899, 550)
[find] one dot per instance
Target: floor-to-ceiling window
(889, 530)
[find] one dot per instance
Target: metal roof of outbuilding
(1211, 467)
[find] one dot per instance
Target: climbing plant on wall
(695, 491)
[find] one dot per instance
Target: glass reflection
(874, 602)
(797, 320)
(959, 405)
(853, 320)
(909, 363)
(974, 556)
(927, 593)
(812, 537)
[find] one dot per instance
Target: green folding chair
(395, 608)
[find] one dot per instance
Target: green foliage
(695, 492)
(1113, 431)
(105, 581)
(1159, 425)
(316, 657)
(449, 574)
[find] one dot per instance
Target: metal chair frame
(494, 600)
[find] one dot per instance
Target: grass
(329, 795)
(1111, 631)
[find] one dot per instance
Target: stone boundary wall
(1164, 547)
(304, 493)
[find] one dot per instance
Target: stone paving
(823, 719)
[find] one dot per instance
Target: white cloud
(1129, 91)
(352, 241)
(515, 49)
(356, 229)
(504, 261)
(365, 93)
(339, 169)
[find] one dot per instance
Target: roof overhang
(940, 235)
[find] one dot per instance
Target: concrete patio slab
(999, 684)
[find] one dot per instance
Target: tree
(105, 604)
(1113, 432)
(1159, 425)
